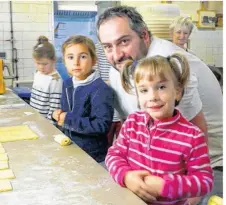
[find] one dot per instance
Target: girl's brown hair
(176, 64)
(77, 39)
(44, 49)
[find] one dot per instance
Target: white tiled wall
(30, 20)
(208, 46)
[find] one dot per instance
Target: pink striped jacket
(173, 149)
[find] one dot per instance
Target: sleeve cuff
(167, 190)
(67, 120)
(122, 176)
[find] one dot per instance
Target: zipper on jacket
(68, 100)
(151, 135)
(149, 140)
(70, 106)
(73, 102)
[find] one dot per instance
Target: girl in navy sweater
(87, 102)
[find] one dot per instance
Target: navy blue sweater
(89, 115)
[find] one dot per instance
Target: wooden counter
(49, 174)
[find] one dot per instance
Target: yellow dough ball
(215, 200)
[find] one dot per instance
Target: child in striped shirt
(47, 85)
(159, 155)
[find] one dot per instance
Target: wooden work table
(49, 174)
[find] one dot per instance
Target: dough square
(7, 174)
(5, 185)
(14, 133)
(2, 150)
(4, 165)
(3, 157)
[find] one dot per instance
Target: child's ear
(179, 93)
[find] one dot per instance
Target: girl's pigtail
(184, 69)
(126, 74)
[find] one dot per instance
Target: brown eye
(162, 87)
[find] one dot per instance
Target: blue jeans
(217, 187)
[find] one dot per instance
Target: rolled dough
(62, 140)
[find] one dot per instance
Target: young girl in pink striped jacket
(159, 155)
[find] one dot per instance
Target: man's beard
(119, 65)
(143, 53)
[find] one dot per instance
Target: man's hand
(56, 114)
(61, 118)
(155, 185)
(134, 180)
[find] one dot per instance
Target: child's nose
(76, 62)
(153, 95)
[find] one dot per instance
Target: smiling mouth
(156, 107)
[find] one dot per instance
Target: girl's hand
(155, 185)
(61, 118)
(56, 114)
(134, 180)
(194, 201)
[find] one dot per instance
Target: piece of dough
(5, 185)
(215, 200)
(7, 174)
(2, 150)
(22, 132)
(4, 165)
(62, 140)
(4, 157)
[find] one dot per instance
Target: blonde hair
(79, 39)
(176, 64)
(44, 49)
(181, 22)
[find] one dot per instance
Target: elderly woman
(180, 30)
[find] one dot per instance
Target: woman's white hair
(181, 23)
